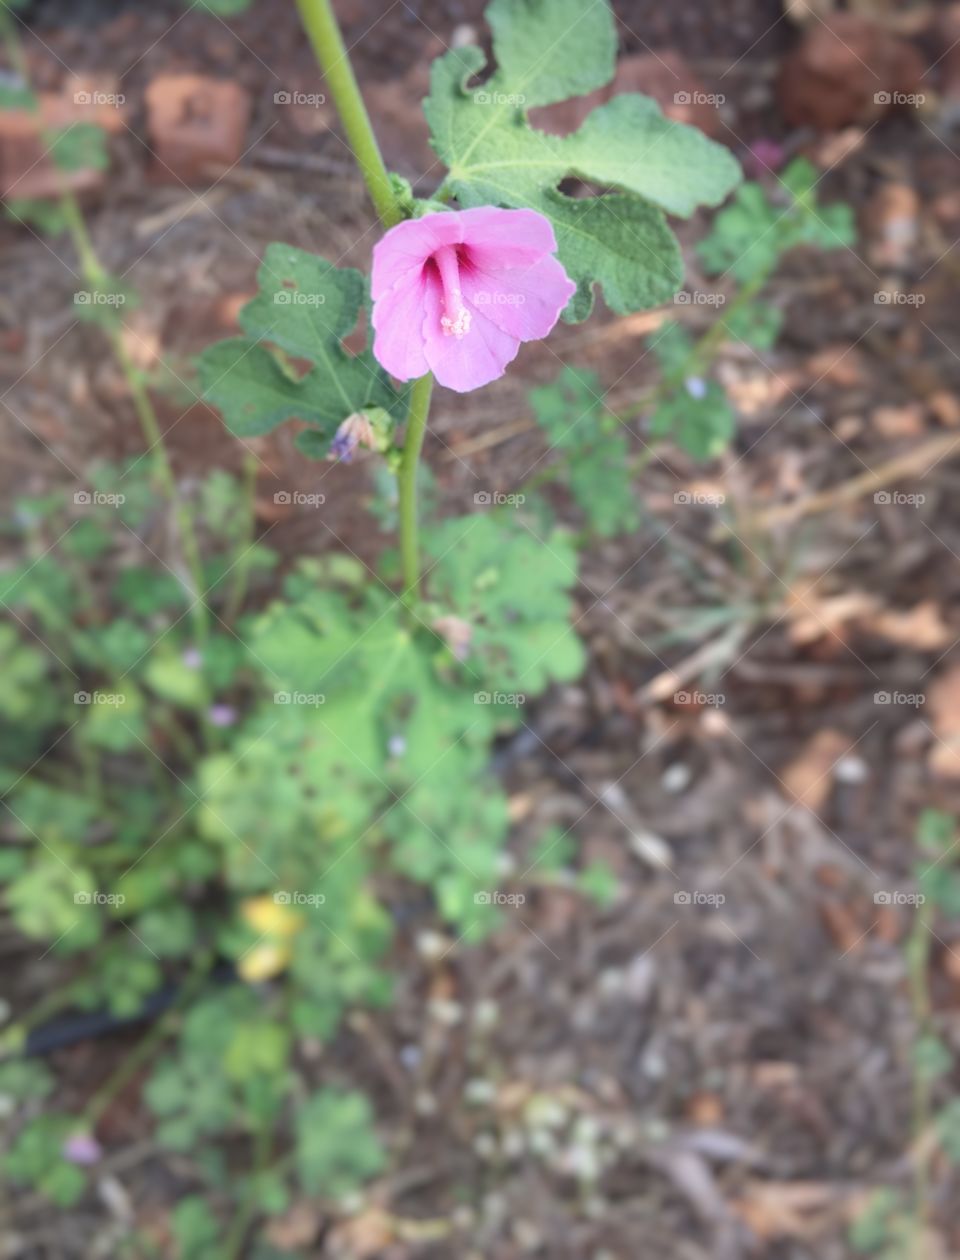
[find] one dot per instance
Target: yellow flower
(277, 925)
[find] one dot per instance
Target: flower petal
(523, 301)
(465, 363)
(398, 327)
(407, 247)
(506, 238)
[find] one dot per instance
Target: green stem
(95, 274)
(323, 31)
(407, 485)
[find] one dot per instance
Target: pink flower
(455, 293)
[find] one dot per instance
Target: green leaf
(513, 589)
(546, 51)
(196, 1229)
(337, 1149)
(80, 147)
(304, 307)
(35, 1159)
(699, 418)
(750, 235)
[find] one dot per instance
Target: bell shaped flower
(455, 293)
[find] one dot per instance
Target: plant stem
(95, 274)
(407, 485)
(323, 31)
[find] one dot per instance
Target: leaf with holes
(304, 308)
(618, 239)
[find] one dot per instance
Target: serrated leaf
(245, 381)
(496, 157)
(513, 589)
(305, 306)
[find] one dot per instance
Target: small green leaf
(337, 1148)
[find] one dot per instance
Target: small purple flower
(696, 386)
(763, 157)
(82, 1148)
(355, 431)
(222, 714)
(192, 657)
